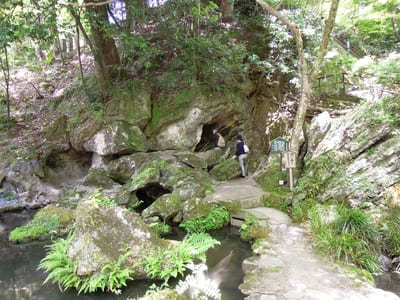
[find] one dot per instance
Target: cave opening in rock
(206, 141)
(150, 193)
(66, 168)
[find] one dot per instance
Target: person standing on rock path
(241, 153)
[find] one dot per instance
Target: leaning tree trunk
(104, 50)
(306, 92)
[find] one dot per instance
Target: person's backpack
(221, 141)
(246, 148)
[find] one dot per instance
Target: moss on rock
(226, 170)
(49, 221)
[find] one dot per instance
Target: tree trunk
(227, 9)
(78, 47)
(104, 50)
(6, 73)
(306, 92)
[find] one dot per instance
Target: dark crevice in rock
(149, 194)
(374, 145)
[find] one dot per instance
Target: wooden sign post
(289, 159)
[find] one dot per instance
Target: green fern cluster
(216, 219)
(160, 228)
(62, 270)
(164, 264)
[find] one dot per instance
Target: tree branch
(86, 4)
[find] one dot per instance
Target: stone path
(286, 267)
(244, 192)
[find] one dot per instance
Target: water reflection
(20, 279)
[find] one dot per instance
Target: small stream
(20, 279)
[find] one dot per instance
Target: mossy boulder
(130, 103)
(122, 169)
(192, 159)
(103, 233)
(81, 128)
(166, 294)
(117, 138)
(185, 184)
(167, 207)
(48, 222)
(226, 170)
(99, 178)
(212, 157)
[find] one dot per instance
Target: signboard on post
(289, 161)
(279, 145)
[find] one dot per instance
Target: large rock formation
(356, 157)
(102, 234)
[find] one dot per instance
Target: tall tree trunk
(227, 9)
(5, 66)
(104, 50)
(306, 92)
(78, 47)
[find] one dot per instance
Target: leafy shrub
(217, 218)
(252, 230)
(164, 264)
(50, 221)
(62, 270)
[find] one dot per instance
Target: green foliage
(391, 232)
(102, 200)
(62, 270)
(160, 228)
(387, 110)
(252, 230)
(48, 222)
(278, 196)
(164, 264)
(217, 218)
(300, 210)
(318, 174)
(351, 237)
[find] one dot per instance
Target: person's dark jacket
(240, 148)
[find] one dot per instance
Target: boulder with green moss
(165, 294)
(167, 207)
(117, 138)
(226, 170)
(185, 183)
(131, 103)
(81, 129)
(48, 222)
(99, 178)
(103, 232)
